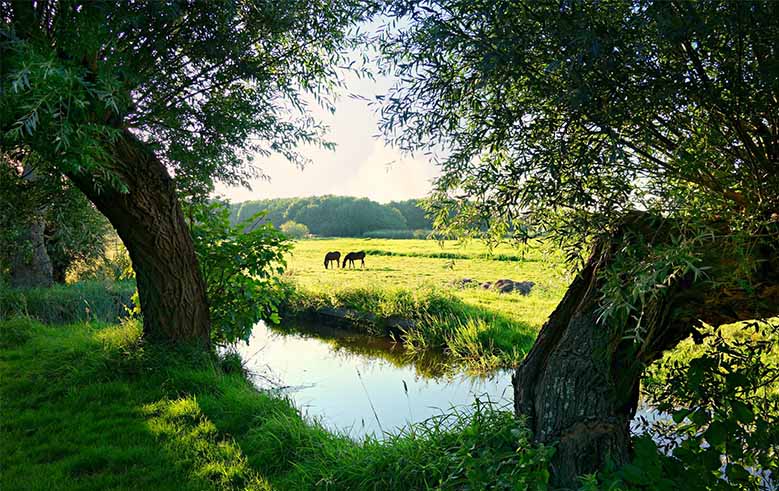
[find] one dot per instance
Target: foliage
(241, 270)
(724, 398)
(337, 216)
(74, 230)
(415, 215)
(398, 234)
(566, 116)
(294, 230)
(113, 266)
(187, 425)
(79, 302)
(207, 85)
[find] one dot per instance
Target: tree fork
(149, 220)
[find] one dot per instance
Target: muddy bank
(392, 327)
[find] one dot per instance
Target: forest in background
(340, 216)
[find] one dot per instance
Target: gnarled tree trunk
(150, 222)
(579, 384)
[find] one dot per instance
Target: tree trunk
(579, 385)
(150, 222)
(30, 265)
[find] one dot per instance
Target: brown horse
(353, 256)
(332, 256)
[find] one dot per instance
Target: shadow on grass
(86, 408)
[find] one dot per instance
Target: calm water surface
(360, 385)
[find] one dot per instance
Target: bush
(241, 270)
(115, 265)
(398, 234)
(294, 230)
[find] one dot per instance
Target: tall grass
(84, 301)
(94, 407)
(480, 338)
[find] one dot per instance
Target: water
(361, 385)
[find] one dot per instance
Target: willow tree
(643, 136)
(137, 102)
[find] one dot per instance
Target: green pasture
(417, 279)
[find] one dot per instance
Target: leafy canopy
(74, 231)
(207, 84)
(566, 115)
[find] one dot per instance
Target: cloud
(361, 165)
(385, 175)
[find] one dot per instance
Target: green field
(415, 279)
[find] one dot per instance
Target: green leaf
(742, 412)
(634, 474)
(736, 472)
(679, 415)
(716, 434)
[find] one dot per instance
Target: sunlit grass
(416, 279)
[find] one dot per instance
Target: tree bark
(579, 385)
(150, 222)
(30, 265)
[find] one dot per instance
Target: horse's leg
(363, 262)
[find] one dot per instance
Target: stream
(361, 385)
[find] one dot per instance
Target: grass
(90, 406)
(415, 279)
(84, 301)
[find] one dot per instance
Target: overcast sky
(361, 165)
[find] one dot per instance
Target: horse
(353, 256)
(332, 256)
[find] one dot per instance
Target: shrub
(294, 229)
(241, 270)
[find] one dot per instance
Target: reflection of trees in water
(348, 344)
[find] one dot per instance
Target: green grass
(415, 279)
(90, 406)
(84, 301)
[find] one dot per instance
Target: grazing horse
(353, 256)
(332, 256)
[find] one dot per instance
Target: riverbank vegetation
(422, 281)
(92, 406)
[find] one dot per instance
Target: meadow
(419, 280)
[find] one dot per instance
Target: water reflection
(361, 385)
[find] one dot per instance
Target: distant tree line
(338, 216)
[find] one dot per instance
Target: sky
(361, 165)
